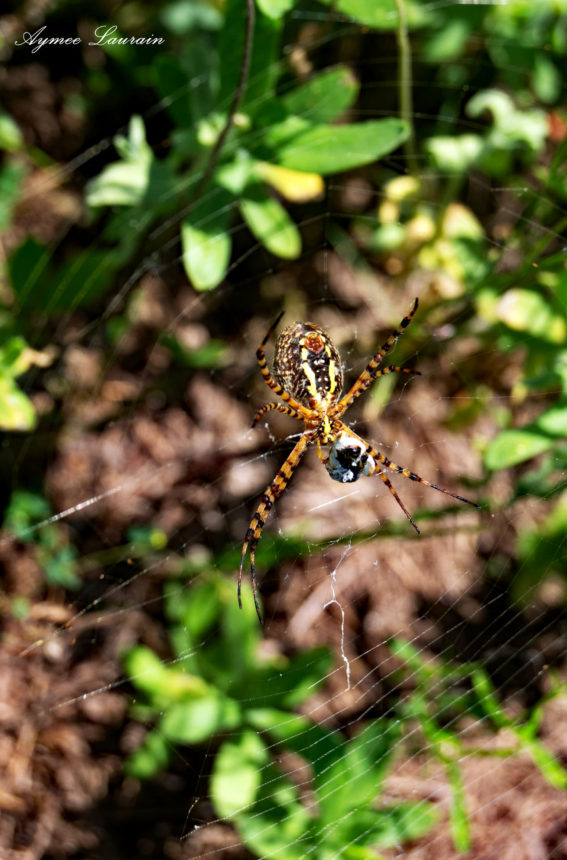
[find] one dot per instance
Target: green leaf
(162, 684)
(149, 759)
(188, 82)
(455, 153)
(363, 762)
(384, 828)
(13, 358)
(317, 745)
(11, 176)
(270, 223)
(60, 567)
(264, 67)
(380, 14)
(139, 177)
(487, 700)
(193, 721)
(554, 421)
(511, 126)
(277, 826)
(527, 311)
(458, 817)
(24, 511)
(324, 96)
(237, 773)
(11, 138)
(205, 240)
(16, 409)
(291, 685)
(275, 8)
(511, 447)
(40, 289)
(27, 265)
(123, 183)
(330, 149)
(75, 284)
(545, 761)
(172, 84)
(201, 608)
(181, 17)
(546, 80)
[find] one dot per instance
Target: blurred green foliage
(218, 686)
(26, 519)
(284, 142)
(216, 675)
(442, 695)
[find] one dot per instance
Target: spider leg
(384, 461)
(271, 493)
(397, 498)
(271, 382)
(371, 371)
(384, 371)
(320, 454)
(287, 410)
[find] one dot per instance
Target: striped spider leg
(351, 457)
(308, 377)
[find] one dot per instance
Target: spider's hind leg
(271, 493)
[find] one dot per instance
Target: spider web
(187, 465)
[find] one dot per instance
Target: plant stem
(238, 95)
(405, 80)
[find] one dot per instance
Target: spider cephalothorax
(308, 377)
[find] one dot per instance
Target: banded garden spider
(309, 379)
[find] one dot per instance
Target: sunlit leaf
(160, 682)
(511, 447)
(380, 14)
(193, 721)
(546, 80)
(205, 239)
(11, 138)
(16, 409)
(294, 185)
(270, 223)
(528, 311)
(278, 825)
(237, 773)
(554, 421)
(455, 153)
(275, 8)
(511, 126)
(331, 149)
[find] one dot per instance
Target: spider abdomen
(307, 365)
(349, 459)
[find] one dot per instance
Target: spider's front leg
(372, 371)
(272, 493)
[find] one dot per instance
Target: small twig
(238, 95)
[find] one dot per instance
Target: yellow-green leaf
(294, 185)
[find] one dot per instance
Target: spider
(309, 379)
